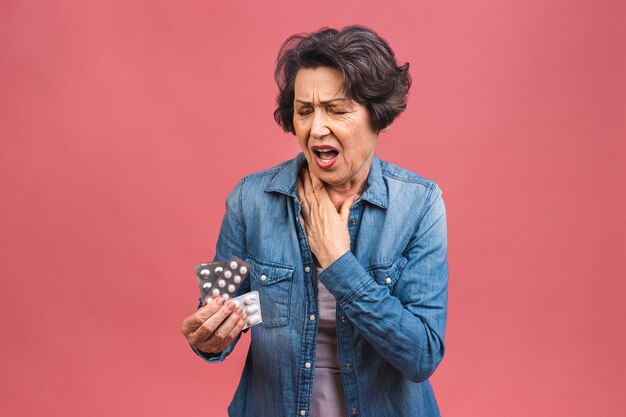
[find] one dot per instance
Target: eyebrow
(323, 102)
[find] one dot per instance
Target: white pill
(205, 273)
(236, 303)
(206, 285)
(237, 279)
(231, 288)
(227, 274)
(216, 291)
(252, 309)
(243, 270)
(219, 270)
(221, 283)
(233, 265)
(251, 299)
(254, 319)
(225, 296)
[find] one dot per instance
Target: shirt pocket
(387, 273)
(273, 282)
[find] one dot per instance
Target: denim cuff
(209, 357)
(346, 279)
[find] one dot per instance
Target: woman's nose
(319, 125)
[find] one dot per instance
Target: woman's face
(334, 133)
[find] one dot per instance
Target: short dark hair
(369, 71)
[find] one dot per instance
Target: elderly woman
(348, 252)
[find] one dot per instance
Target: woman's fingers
(344, 212)
(210, 325)
(235, 330)
(309, 190)
(213, 327)
(304, 204)
(226, 332)
(318, 188)
(197, 319)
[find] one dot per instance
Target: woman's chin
(330, 179)
(329, 176)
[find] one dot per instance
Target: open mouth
(325, 156)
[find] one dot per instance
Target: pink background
(124, 124)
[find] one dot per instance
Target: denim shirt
(391, 292)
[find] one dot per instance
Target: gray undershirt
(328, 396)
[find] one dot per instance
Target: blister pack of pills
(207, 274)
(224, 279)
(250, 304)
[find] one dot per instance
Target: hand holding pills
(221, 318)
(215, 325)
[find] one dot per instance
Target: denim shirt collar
(284, 181)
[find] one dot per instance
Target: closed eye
(337, 110)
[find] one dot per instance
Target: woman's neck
(339, 194)
(338, 198)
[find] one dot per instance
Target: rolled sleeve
(346, 290)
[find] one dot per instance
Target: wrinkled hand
(214, 326)
(326, 229)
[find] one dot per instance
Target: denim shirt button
(348, 365)
(263, 277)
(388, 280)
(307, 365)
(343, 319)
(307, 269)
(353, 222)
(312, 317)
(302, 412)
(354, 411)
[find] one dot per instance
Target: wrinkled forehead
(318, 84)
